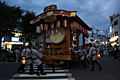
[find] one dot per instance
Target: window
(112, 26)
(115, 22)
(116, 33)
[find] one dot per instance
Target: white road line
(44, 68)
(45, 79)
(61, 74)
(34, 75)
(51, 70)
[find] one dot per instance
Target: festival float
(60, 25)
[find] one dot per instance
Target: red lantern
(65, 23)
(41, 26)
(23, 60)
(46, 27)
(77, 25)
(98, 54)
(58, 24)
(52, 25)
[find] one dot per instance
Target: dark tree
(10, 17)
(25, 24)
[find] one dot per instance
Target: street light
(106, 36)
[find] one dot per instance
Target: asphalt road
(7, 70)
(110, 70)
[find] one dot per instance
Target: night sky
(95, 13)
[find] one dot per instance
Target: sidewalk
(10, 63)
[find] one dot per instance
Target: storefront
(11, 42)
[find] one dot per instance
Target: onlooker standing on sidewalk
(93, 55)
(119, 50)
(3, 58)
(101, 50)
(17, 51)
(116, 52)
(110, 50)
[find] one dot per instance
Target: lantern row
(52, 25)
(65, 23)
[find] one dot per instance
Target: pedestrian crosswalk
(59, 73)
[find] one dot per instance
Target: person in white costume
(36, 56)
(82, 57)
(26, 53)
(93, 55)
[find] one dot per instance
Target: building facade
(114, 29)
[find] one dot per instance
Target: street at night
(110, 70)
(59, 40)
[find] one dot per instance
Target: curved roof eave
(61, 12)
(83, 23)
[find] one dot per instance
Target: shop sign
(110, 29)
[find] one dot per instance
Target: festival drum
(56, 35)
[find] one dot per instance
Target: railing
(56, 52)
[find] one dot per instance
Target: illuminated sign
(2, 38)
(110, 29)
(15, 39)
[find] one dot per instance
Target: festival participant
(26, 53)
(82, 58)
(36, 56)
(116, 52)
(93, 55)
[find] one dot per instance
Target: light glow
(73, 14)
(15, 39)
(113, 39)
(110, 29)
(13, 42)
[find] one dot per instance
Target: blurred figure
(116, 52)
(17, 51)
(93, 55)
(9, 50)
(27, 54)
(88, 59)
(101, 48)
(82, 57)
(110, 50)
(3, 58)
(119, 50)
(36, 56)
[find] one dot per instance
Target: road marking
(59, 74)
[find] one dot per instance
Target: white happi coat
(36, 56)
(26, 53)
(82, 57)
(91, 52)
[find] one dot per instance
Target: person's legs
(21, 68)
(83, 63)
(92, 65)
(41, 69)
(88, 63)
(102, 53)
(98, 64)
(31, 69)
